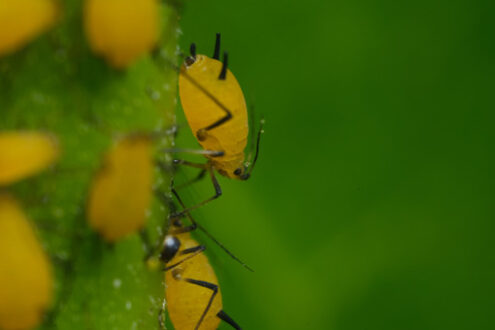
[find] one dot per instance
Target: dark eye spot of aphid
(238, 171)
(190, 60)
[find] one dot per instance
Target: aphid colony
(121, 191)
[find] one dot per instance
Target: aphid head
(241, 173)
(171, 245)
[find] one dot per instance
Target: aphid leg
(249, 170)
(224, 317)
(198, 177)
(192, 252)
(207, 285)
(152, 249)
(200, 134)
(210, 236)
(216, 185)
(190, 164)
(212, 153)
(228, 114)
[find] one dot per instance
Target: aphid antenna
(252, 132)
(248, 169)
(223, 73)
(210, 236)
(216, 53)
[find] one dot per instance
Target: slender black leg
(228, 114)
(218, 193)
(207, 285)
(151, 249)
(211, 153)
(224, 317)
(198, 177)
(200, 134)
(191, 252)
(191, 164)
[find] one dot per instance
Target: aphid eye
(238, 171)
(190, 60)
(170, 247)
(177, 223)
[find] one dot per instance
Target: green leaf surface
(56, 84)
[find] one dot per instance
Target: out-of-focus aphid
(192, 289)
(215, 109)
(24, 153)
(26, 280)
(121, 191)
(121, 30)
(23, 20)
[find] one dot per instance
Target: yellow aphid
(23, 20)
(202, 111)
(121, 191)
(216, 111)
(24, 153)
(193, 296)
(26, 280)
(121, 30)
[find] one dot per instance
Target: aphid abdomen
(201, 109)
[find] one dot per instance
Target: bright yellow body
(23, 20)
(121, 30)
(121, 191)
(24, 153)
(201, 111)
(186, 302)
(26, 280)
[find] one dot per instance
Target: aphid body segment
(121, 191)
(23, 20)
(26, 280)
(202, 111)
(121, 30)
(193, 296)
(188, 301)
(24, 153)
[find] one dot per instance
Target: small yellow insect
(216, 111)
(192, 289)
(24, 153)
(121, 30)
(121, 192)
(23, 20)
(26, 281)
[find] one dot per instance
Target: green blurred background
(372, 205)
